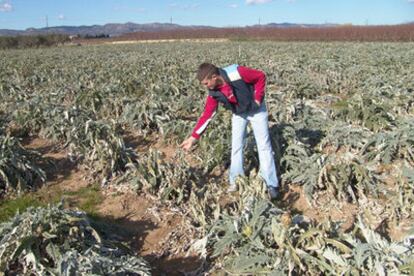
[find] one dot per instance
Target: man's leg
(238, 137)
(260, 125)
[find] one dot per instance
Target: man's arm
(209, 111)
(255, 77)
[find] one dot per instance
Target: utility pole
(171, 20)
(259, 21)
(47, 21)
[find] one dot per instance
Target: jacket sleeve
(209, 111)
(255, 77)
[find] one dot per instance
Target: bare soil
(155, 232)
(159, 234)
(294, 199)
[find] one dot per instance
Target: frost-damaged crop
(98, 143)
(262, 239)
(364, 111)
(102, 147)
(18, 166)
(54, 241)
(340, 117)
(154, 175)
(388, 146)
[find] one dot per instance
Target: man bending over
(241, 90)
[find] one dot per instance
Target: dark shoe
(273, 192)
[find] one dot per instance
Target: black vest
(244, 92)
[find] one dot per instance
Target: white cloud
(5, 6)
(254, 2)
(61, 17)
(183, 7)
(233, 6)
(411, 1)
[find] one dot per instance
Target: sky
(22, 14)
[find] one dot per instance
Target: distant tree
(9, 42)
(89, 36)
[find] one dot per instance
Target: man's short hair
(206, 70)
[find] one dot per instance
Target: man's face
(211, 82)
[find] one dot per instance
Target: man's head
(208, 75)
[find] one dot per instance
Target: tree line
(32, 41)
(400, 33)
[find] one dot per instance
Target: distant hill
(107, 29)
(119, 29)
(6, 32)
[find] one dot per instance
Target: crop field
(92, 180)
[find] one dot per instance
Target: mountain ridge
(116, 29)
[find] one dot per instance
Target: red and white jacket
(248, 75)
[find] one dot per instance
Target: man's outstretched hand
(188, 143)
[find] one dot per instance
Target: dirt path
(159, 234)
